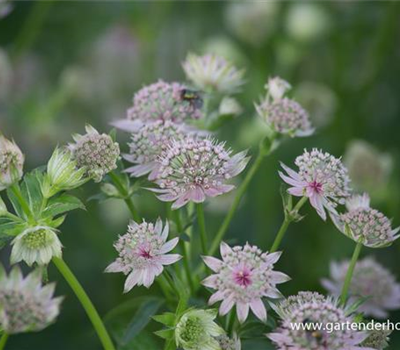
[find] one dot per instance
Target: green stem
(349, 275)
(288, 220)
(184, 249)
(86, 303)
(164, 285)
(24, 205)
(202, 227)
(239, 194)
(124, 193)
(3, 340)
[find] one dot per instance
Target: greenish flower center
(193, 330)
(37, 239)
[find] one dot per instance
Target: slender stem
(124, 193)
(286, 223)
(202, 227)
(24, 205)
(86, 303)
(349, 275)
(239, 194)
(164, 285)
(184, 249)
(3, 340)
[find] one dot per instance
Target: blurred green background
(64, 64)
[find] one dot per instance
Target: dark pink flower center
(145, 253)
(315, 186)
(242, 277)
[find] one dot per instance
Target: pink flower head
(318, 312)
(143, 253)
(321, 177)
(193, 169)
(243, 277)
(370, 280)
(362, 223)
(159, 101)
(149, 142)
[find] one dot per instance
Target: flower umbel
(196, 330)
(26, 305)
(371, 281)
(377, 339)
(143, 253)
(95, 152)
(149, 142)
(283, 115)
(362, 223)
(285, 306)
(213, 73)
(243, 277)
(322, 312)
(62, 173)
(37, 244)
(11, 163)
(227, 343)
(193, 169)
(321, 177)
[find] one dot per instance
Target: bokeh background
(64, 64)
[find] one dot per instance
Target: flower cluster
(196, 330)
(37, 244)
(25, 305)
(371, 281)
(243, 277)
(213, 73)
(377, 339)
(285, 306)
(316, 311)
(283, 115)
(193, 169)
(149, 142)
(227, 343)
(321, 177)
(364, 224)
(95, 152)
(143, 253)
(11, 163)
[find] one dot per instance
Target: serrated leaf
(167, 318)
(165, 333)
(15, 203)
(32, 192)
(62, 204)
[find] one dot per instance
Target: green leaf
(62, 204)
(15, 203)
(140, 320)
(8, 229)
(165, 333)
(167, 318)
(32, 192)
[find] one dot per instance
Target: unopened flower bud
(11, 163)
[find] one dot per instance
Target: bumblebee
(193, 97)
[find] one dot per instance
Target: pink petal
(114, 267)
(272, 258)
(213, 263)
(169, 259)
(242, 311)
(148, 277)
(180, 202)
(316, 202)
(197, 195)
(279, 277)
(167, 247)
(258, 308)
(132, 280)
(210, 281)
(218, 296)
(225, 249)
(291, 181)
(296, 191)
(226, 305)
(291, 172)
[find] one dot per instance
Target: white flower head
(95, 152)
(227, 343)
(143, 253)
(196, 330)
(243, 277)
(26, 305)
(370, 280)
(277, 88)
(37, 244)
(11, 163)
(213, 73)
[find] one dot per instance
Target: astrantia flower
(377, 339)
(62, 173)
(243, 277)
(294, 301)
(25, 305)
(159, 101)
(193, 169)
(370, 280)
(37, 244)
(227, 343)
(283, 115)
(213, 73)
(149, 142)
(143, 253)
(196, 330)
(11, 163)
(321, 177)
(95, 152)
(362, 223)
(321, 312)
